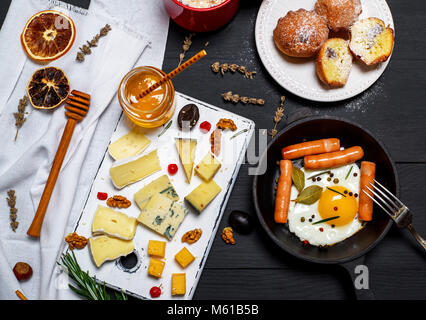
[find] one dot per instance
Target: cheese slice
(104, 248)
(128, 171)
(201, 196)
(161, 185)
(129, 145)
(113, 223)
(186, 149)
(208, 167)
(162, 215)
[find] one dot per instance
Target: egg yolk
(340, 203)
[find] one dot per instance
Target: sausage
(368, 173)
(282, 200)
(333, 159)
(310, 147)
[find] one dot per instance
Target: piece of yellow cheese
(156, 267)
(129, 145)
(113, 223)
(178, 284)
(157, 248)
(202, 195)
(161, 185)
(104, 248)
(208, 167)
(186, 149)
(131, 170)
(184, 257)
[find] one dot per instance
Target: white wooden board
(137, 282)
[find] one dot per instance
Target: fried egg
(341, 187)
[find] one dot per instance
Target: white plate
(136, 282)
(298, 75)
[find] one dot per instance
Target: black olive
(241, 222)
(188, 116)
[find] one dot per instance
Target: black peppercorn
(350, 194)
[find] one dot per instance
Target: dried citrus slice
(48, 35)
(48, 88)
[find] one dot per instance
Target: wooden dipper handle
(77, 105)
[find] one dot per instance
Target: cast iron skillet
(350, 252)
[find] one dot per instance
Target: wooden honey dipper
(77, 105)
(174, 73)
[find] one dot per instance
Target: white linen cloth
(138, 36)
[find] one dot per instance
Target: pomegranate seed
(102, 195)
(205, 126)
(155, 292)
(172, 168)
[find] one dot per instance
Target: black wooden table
(393, 109)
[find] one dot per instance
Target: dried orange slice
(48, 35)
(48, 88)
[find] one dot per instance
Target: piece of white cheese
(186, 149)
(128, 171)
(162, 215)
(129, 145)
(202, 195)
(113, 223)
(208, 167)
(104, 248)
(161, 185)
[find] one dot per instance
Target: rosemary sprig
(238, 133)
(279, 114)
(325, 220)
(350, 170)
(319, 174)
(336, 191)
(165, 128)
(87, 286)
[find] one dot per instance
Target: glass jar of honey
(152, 110)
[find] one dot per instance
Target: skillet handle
(357, 272)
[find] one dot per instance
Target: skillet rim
(287, 248)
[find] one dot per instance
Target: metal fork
(398, 212)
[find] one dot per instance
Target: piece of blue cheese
(162, 215)
(128, 171)
(113, 223)
(202, 195)
(104, 248)
(161, 185)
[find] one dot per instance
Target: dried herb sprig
(186, 46)
(85, 49)
(279, 114)
(235, 98)
(20, 115)
(87, 286)
(165, 128)
(11, 201)
(225, 67)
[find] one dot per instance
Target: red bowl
(201, 19)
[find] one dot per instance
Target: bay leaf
(298, 178)
(309, 195)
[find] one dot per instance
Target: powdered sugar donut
(339, 14)
(300, 33)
